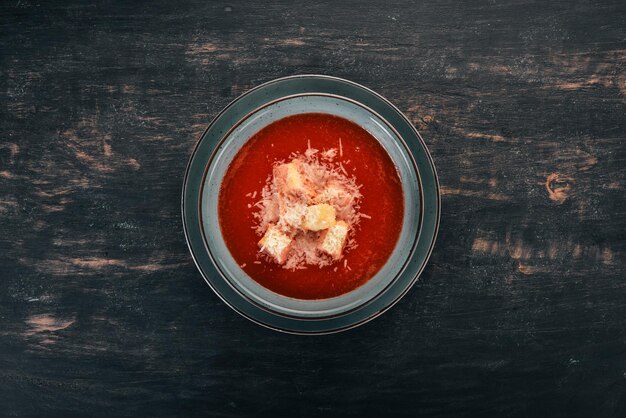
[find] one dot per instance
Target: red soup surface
(362, 156)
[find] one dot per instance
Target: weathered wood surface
(521, 311)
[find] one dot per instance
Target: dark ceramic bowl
(229, 132)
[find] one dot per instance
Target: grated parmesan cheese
(309, 207)
(329, 154)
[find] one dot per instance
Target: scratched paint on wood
(520, 311)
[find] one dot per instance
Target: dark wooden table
(521, 310)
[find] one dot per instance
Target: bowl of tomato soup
(310, 204)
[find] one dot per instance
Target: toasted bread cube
(289, 180)
(293, 215)
(319, 217)
(333, 239)
(275, 244)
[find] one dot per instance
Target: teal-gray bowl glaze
(239, 136)
(234, 126)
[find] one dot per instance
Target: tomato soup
(359, 155)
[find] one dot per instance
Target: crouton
(319, 217)
(333, 239)
(275, 244)
(293, 215)
(289, 180)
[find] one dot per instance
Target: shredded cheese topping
(310, 204)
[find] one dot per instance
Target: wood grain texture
(521, 311)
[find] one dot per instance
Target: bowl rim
(323, 325)
(370, 298)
